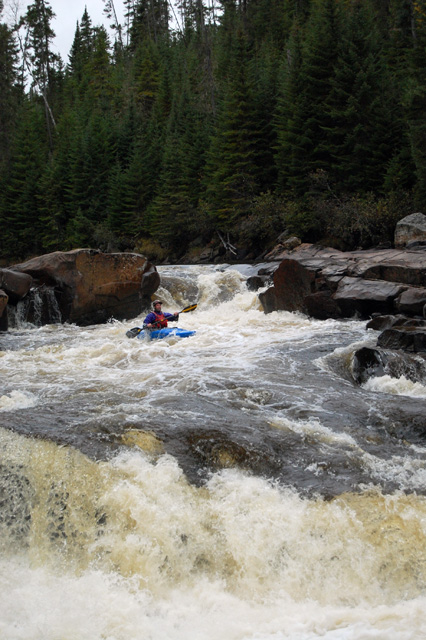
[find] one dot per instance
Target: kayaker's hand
(176, 315)
(149, 325)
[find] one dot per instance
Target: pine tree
(42, 62)
(29, 153)
(174, 208)
(303, 116)
(232, 172)
(140, 179)
(82, 47)
(149, 20)
(361, 137)
(416, 102)
(289, 121)
(9, 92)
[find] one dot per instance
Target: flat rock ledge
(327, 283)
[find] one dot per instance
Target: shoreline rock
(87, 286)
(324, 282)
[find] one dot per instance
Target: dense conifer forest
(243, 118)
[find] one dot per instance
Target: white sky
(68, 12)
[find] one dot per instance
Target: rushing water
(233, 485)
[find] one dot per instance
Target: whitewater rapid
(234, 485)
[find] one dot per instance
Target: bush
(365, 221)
(264, 223)
(151, 249)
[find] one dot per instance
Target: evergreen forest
(209, 119)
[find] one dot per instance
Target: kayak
(159, 334)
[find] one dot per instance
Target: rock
(376, 362)
(366, 297)
(367, 363)
(412, 301)
(291, 243)
(292, 283)
(416, 245)
(268, 300)
(363, 282)
(412, 228)
(3, 310)
(16, 284)
(407, 338)
(380, 323)
(91, 286)
(321, 305)
(392, 265)
(256, 282)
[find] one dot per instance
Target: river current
(234, 485)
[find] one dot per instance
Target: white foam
(17, 400)
(38, 603)
(397, 386)
(128, 550)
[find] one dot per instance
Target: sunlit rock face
(90, 286)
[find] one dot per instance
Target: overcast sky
(68, 12)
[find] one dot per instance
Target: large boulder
(410, 229)
(91, 287)
(292, 283)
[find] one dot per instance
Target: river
(233, 485)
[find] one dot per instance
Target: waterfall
(39, 307)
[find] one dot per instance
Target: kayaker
(158, 319)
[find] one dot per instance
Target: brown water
(236, 484)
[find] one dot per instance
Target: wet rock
(380, 323)
(256, 282)
(410, 229)
(3, 310)
(15, 284)
(268, 300)
(369, 362)
(406, 338)
(91, 286)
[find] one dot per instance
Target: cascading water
(39, 307)
(235, 485)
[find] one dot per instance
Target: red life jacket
(160, 319)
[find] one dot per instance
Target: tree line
(241, 119)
